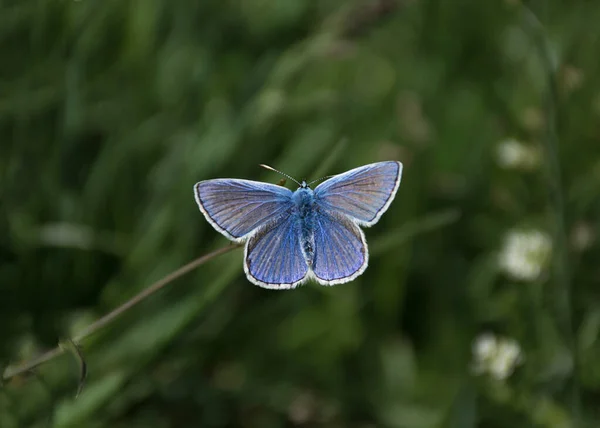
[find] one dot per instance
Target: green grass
(111, 110)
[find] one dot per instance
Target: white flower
(484, 348)
(496, 356)
(513, 154)
(508, 355)
(525, 254)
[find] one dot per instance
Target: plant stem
(562, 301)
(12, 371)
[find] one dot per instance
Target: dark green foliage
(110, 111)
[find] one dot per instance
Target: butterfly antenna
(320, 179)
(282, 173)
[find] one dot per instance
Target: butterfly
(291, 237)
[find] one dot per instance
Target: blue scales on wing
(273, 256)
(236, 208)
(363, 193)
(340, 249)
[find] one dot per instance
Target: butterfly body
(295, 236)
(304, 211)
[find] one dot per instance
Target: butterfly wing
(236, 208)
(273, 257)
(363, 193)
(341, 252)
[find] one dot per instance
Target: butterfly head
(303, 184)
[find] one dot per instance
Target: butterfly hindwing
(236, 208)
(341, 252)
(273, 257)
(363, 193)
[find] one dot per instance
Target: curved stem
(563, 288)
(12, 371)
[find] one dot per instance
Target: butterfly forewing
(363, 193)
(340, 249)
(238, 207)
(273, 256)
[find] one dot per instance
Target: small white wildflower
(508, 355)
(512, 154)
(483, 349)
(496, 356)
(525, 254)
(485, 346)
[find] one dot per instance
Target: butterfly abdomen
(304, 201)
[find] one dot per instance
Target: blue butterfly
(292, 237)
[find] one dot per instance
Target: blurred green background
(480, 307)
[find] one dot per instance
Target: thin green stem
(562, 293)
(12, 371)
